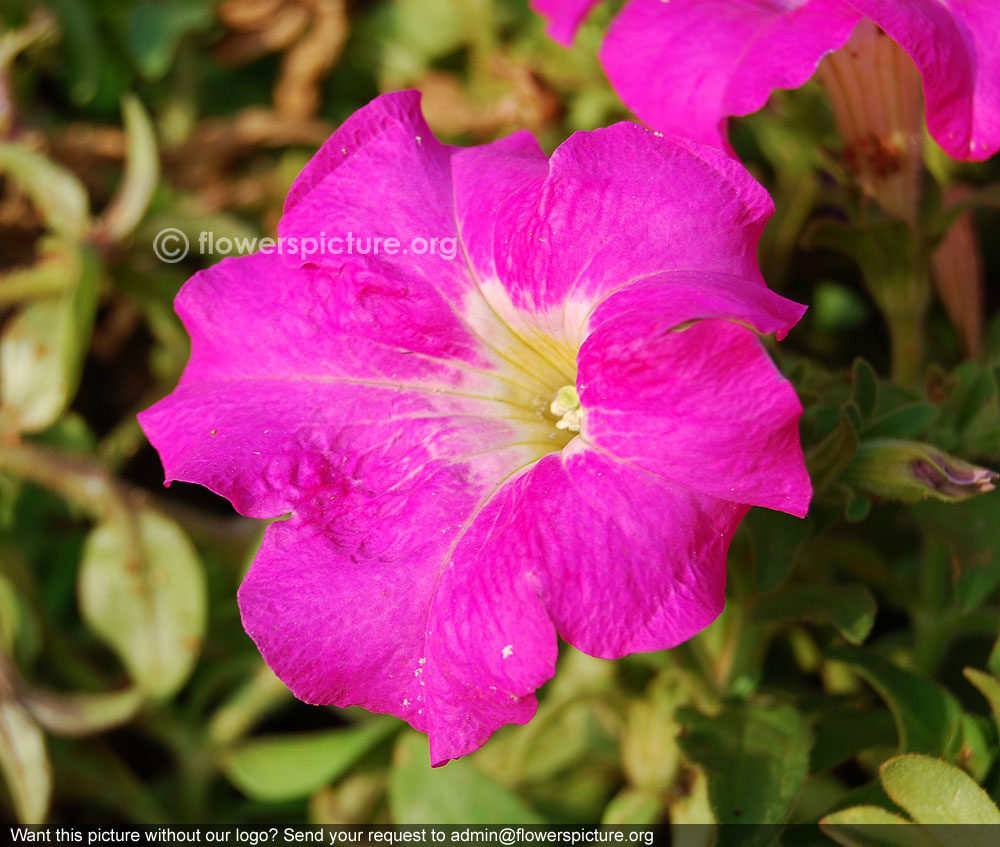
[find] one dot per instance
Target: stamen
(566, 407)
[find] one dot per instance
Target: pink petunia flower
(554, 429)
(687, 65)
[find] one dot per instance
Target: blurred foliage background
(128, 691)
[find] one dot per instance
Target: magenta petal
(458, 623)
(687, 65)
(347, 611)
(379, 592)
(703, 407)
(365, 134)
(564, 17)
(266, 444)
(289, 364)
(255, 316)
(444, 519)
(630, 562)
(615, 559)
(623, 203)
(488, 181)
(681, 296)
(382, 175)
(956, 47)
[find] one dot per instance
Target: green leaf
(934, 792)
(975, 390)
(42, 351)
(143, 591)
(827, 459)
(91, 773)
(927, 718)
(10, 615)
(58, 195)
(849, 608)
(864, 388)
(142, 172)
(755, 757)
(81, 713)
(971, 536)
(84, 56)
(837, 308)
(456, 793)
(907, 421)
(564, 735)
(633, 807)
(422, 31)
(857, 507)
(689, 804)
(153, 31)
(286, 767)
(24, 762)
(872, 826)
(975, 748)
(649, 752)
(775, 537)
(844, 731)
(989, 687)
(55, 271)
(246, 706)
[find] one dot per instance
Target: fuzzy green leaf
(755, 757)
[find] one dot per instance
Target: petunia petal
(456, 619)
(681, 296)
(618, 559)
(956, 47)
(255, 316)
(340, 608)
(564, 17)
(350, 601)
(509, 172)
(687, 65)
(703, 407)
(399, 412)
(620, 204)
(285, 363)
(384, 169)
(384, 175)
(262, 443)
(626, 562)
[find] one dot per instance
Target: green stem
(262, 694)
(195, 767)
(84, 483)
(903, 299)
(87, 485)
(46, 279)
(799, 195)
(906, 335)
(95, 490)
(932, 635)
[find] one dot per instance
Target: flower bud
(909, 471)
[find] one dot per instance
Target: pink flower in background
(556, 430)
(687, 65)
